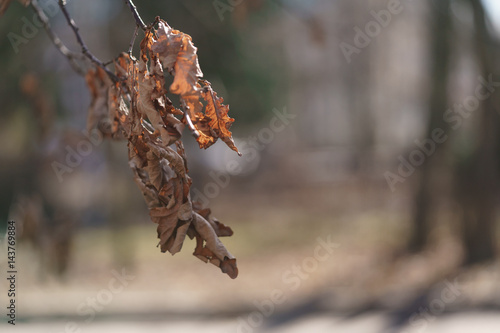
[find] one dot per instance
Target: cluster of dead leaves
(137, 108)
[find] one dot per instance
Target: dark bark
(439, 54)
(477, 173)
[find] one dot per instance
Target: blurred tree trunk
(439, 54)
(477, 172)
(360, 107)
(358, 78)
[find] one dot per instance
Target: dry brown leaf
(98, 115)
(219, 122)
(167, 222)
(210, 249)
(208, 234)
(178, 55)
(176, 50)
(179, 238)
(229, 267)
(138, 109)
(220, 229)
(167, 45)
(150, 99)
(118, 113)
(187, 69)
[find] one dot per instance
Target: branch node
(85, 50)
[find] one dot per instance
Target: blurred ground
(457, 323)
(363, 285)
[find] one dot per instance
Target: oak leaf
(217, 112)
(137, 108)
(177, 52)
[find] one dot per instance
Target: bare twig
(132, 42)
(193, 130)
(85, 50)
(71, 56)
(137, 17)
(109, 62)
(189, 122)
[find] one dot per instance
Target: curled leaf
(137, 109)
(217, 112)
(177, 52)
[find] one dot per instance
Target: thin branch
(189, 122)
(71, 56)
(109, 62)
(132, 42)
(193, 130)
(137, 17)
(85, 50)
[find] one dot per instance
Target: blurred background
(366, 199)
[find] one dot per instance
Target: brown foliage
(137, 108)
